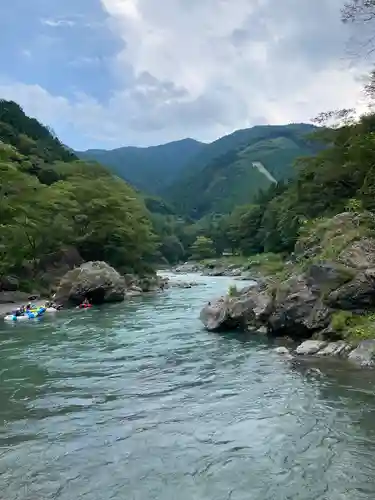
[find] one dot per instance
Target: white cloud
(56, 23)
(203, 68)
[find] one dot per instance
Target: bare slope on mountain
(223, 174)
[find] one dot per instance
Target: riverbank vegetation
(49, 200)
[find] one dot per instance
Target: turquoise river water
(137, 402)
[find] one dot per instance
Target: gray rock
(262, 330)
(183, 284)
(282, 350)
(298, 309)
(9, 284)
(134, 291)
(246, 311)
(360, 254)
(364, 354)
(216, 272)
(214, 316)
(357, 295)
(95, 280)
(310, 347)
(339, 348)
(327, 276)
(14, 297)
(188, 267)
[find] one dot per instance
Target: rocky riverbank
(326, 296)
(97, 281)
(362, 354)
(217, 267)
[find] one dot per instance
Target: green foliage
(325, 238)
(202, 248)
(267, 264)
(341, 321)
(29, 137)
(149, 169)
(227, 172)
(353, 327)
(47, 204)
(293, 216)
(232, 291)
(361, 329)
(354, 205)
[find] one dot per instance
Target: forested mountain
(148, 169)
(232, 170)
(340, 177)
(50, 200)
(199, 178)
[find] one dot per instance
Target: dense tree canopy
(325, 185)
(49, 199)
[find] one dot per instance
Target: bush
(232, 291)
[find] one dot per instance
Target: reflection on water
(136, 401)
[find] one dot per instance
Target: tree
(171, 249)
(49, 200)
(359, 10)
(202, 248)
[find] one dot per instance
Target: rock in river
(97, 281)
(364, 354)
(247, 310)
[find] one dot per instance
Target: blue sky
(106, 73)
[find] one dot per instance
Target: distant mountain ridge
(149, 169)
(198, 178)
(232, 170)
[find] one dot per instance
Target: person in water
(86, 303)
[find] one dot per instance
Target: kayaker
(85, 304)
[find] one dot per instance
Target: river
(136, 401)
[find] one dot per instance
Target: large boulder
(301, 305)
(357, 295)
(298, 308)
(215, 315)
(9, 284)
(97, 281)
(249, 310)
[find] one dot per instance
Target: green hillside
(51, 201)
(148, 169)
(216, 184)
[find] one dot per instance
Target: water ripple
(137, 401)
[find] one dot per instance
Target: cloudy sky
(105, 73)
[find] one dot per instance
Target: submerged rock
(95, 280)
(282, 350)
(183, 284)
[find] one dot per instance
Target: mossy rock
(327, 238)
